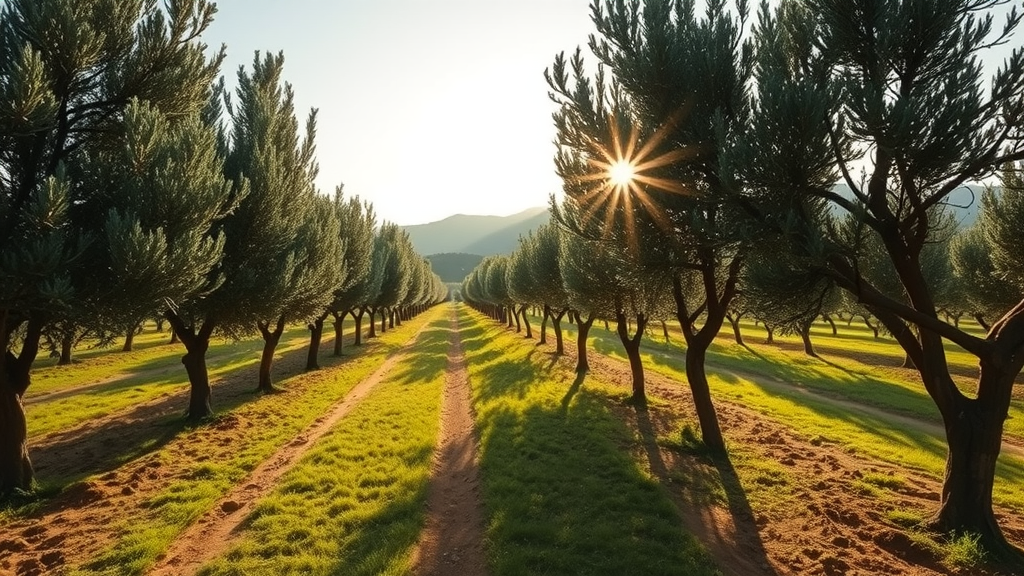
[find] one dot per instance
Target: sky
(427, 108)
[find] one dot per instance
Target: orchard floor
(781, 505)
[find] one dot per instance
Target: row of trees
(732, 144)
(133, 184)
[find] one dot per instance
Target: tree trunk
(174, 337)
(339, 332)
(827, 318)
(67, 345)
(391, 318)
(664, 331)
(582, 365)
(16, 471)
(697, 344)
(770, 339)
(270, 340)
(526, 321)
(383, 321)
(805, 336)
(632, 347)
(373, 324)
(981, 321)
(974, 430)
(556, 325)
(359, 327)
(735, 322)
(15, 465)
(196, 344)
(316, 333)
(129, 340)
(696, 375)
(544, 324)
(515, 314)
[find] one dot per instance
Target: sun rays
(619, 179)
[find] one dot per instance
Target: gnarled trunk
(515, 314)
(526, 321)
(582, 365)
(556, 325)
(16, 471)
(974, 431)
(805, 337)
(67, 345)
(316, 334)
(200, 405)
(734, 320)
(129, 340)
(632, 347)
(270, 340)
(358, 317)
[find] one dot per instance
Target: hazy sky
(427, 107)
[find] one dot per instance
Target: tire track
(452, 540)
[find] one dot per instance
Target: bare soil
(217, 529)
(129, 457)
(452, 540)
(817, 521)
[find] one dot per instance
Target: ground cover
(561, 491)
(155, 475)
(355, 503)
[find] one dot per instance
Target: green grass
(561, 489)
(355, 504)
(813, 416)
(143, 377)
(275, 420)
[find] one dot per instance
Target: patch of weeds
(690, 443)
(963, 551)
(890, 481)
(865, 488)
(905, 517)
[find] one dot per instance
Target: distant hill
(964, 202)
(454, 267)
(482, 235)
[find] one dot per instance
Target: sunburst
(621, 175)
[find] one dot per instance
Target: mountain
(453, 267)
(481, 235)
(962, 202)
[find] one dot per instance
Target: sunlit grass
(562, 492)
(276, 419)
(863, 432)
(355, 504)
(225, 357)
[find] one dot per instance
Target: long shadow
(95, 448)
(563, 495)
(572, 391)
(698, 495)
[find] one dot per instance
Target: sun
(621, 173)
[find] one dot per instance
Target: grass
(212, 468)
(813, 415)
(141, 382)
(561, 493)
(355, 504)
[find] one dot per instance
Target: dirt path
(452, 541)
(809, 512)
(130, 456)
(217, 529)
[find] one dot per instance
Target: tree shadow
(692, 481)
(572, 391)
(104, 444)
